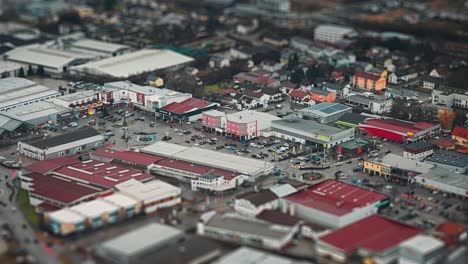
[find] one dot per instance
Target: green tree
(21, 72)
(312, 73)
(293, 61)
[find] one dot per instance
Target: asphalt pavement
(22, 230)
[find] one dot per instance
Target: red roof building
(188, 110)
(445, 144)
(132, 158)
(375, 235)
(195, 169)
(100, 174)
(57, 191)
(50, 164)
(334, 203)
(398, 130)
(460, 136)
(451, 232)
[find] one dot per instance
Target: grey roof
(334, 86)
(15, 90)
(326, 109)
(449, 158)
(185, 251)
(447, 177)
(365, 100)
(247, 255)
(36, 110)
(420, 145)
(406, 164)
(8, 124)
(237, 223)
(355, 143)
(258, 198)
(307, 126)
(81, 133)
(141, 239)
(352, 118)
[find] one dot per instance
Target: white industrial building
(252, 203)
(10, 69)
(332, 33)
(82, 139)
(445, 181)
(154, 194)
(97, 213)
(146, 97)
(79, 43)
(236, 228)
(310, 133)
(65, 222)
(246, 255)
(325, 112)
(134, 63)
(40, 113)
(15, 92)
(52, 60)
(129, 247)
(76, 99)
(421, 249)
(249, 167)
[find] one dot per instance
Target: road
(22, 230)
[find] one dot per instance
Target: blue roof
(320, 91)
(327, 108)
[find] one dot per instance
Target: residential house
(271, 66)
(375, 105)
(275, 95)
(362, 66)
(439, 72)
(287, 87)
(370, 81)
(460, 136)
(281, 75)
(430, 82)
(242, 52)
(341, 90)
(322, 95)
(300, 97)
(402, 76)
(252, 203)
(450, 97)
(341, 59)
(275, 40)
(218, 62)
(261, 97)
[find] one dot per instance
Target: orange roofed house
(460, 136)
(370, 80)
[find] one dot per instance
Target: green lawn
(28, 210)
(209, 89)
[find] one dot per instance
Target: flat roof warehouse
(210, 158)
(133, 63)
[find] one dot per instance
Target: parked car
(73, 124)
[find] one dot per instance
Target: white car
(73, 124)
(339, 163)
(388, 187)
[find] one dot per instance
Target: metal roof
(406, 164)
(326, 109)
(47, 57)
(133, 63)
(140, 240)
(37, 110)
(305, 126)
(247, 255)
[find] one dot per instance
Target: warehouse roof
(406, 163)
(423, 244)
(451, 158)
(214, 113)
(100, 173)
(94, 208)
(28, 113)
(247, 255)
(97, 45)
(186, 106)
(120, 200)
(460, 132)
(8, 66)
(352, 118)
(237, 223)
(75, 135)
(15, 90)
(59, 189)
(195, 168)
(447, 177)
(258, 198)
(66, 215)
(137, 62)
(44, 166)
(278, 218)
(305, 126)
(335, 197)
(400, 126)
(140, 240)
(326, 109)
(209, 158)
(47, 57)
(146, 191)
(374, 233)
(247, 116)
(419, 146)
(76, 96)
(129, 156)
